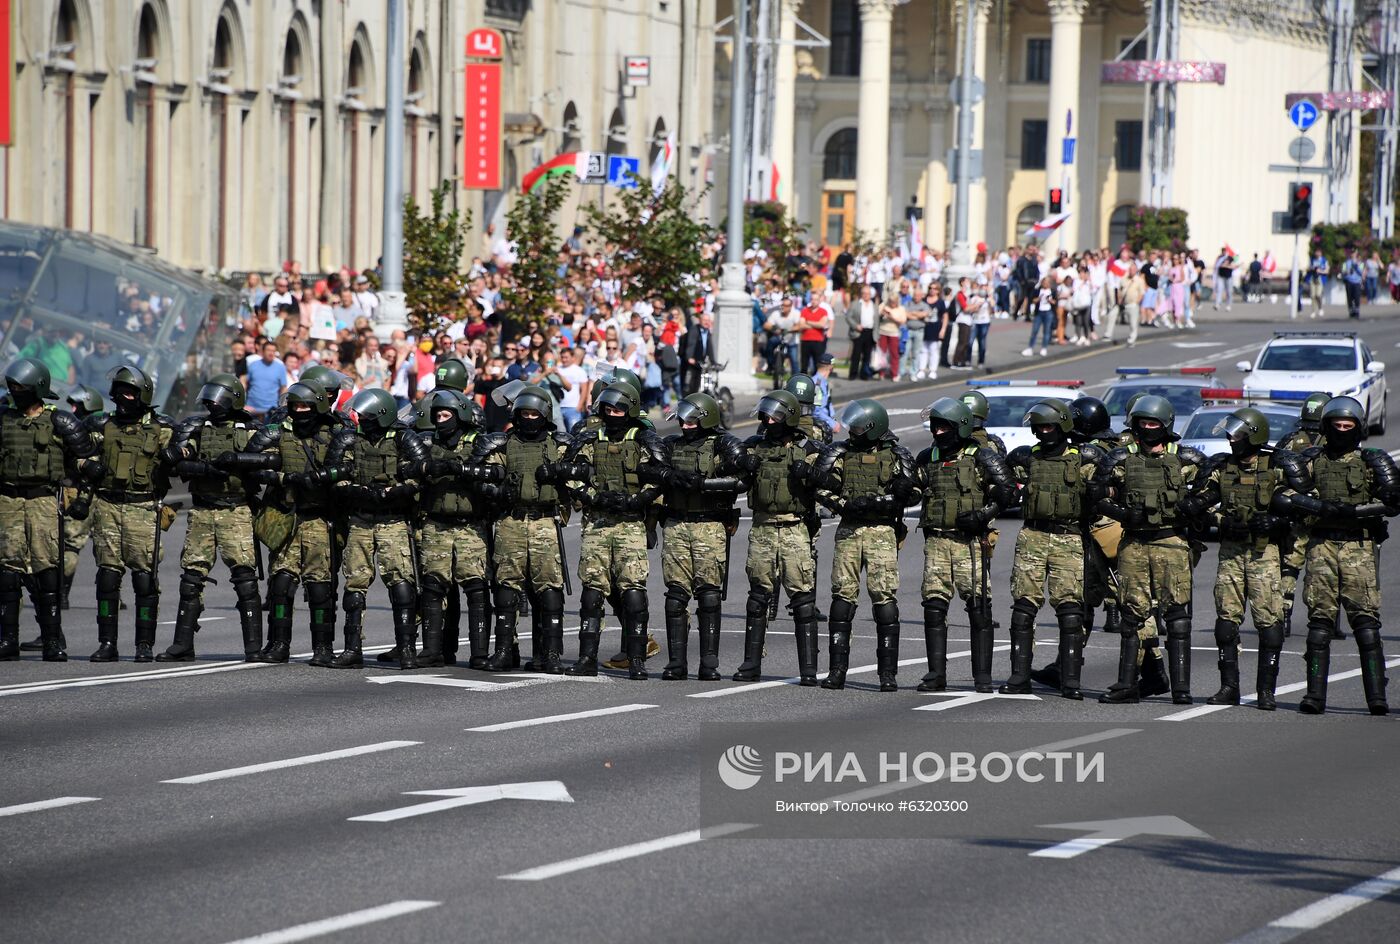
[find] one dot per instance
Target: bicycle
(709, 384)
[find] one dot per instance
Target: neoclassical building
(235, 134)
(866, 124)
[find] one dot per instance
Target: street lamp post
(392, 313)
(962, 246)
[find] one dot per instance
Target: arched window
(658, 141)
(1118, 227)
(569, 136)
(839, 162)
(222, 72)
(414, 101)
(143, 128)
(293, 72)
(617, 133)
(291, 57)
(1031, 214)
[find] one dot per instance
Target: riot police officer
(373, 469)
(1295, 548)
(866, 480)
(976, 401)
(700, 519)
(221, 519)
(780, 470)
(1056, 478)
(963, 486)
(1239, 488)
(128, 512)
(1092, 427)
(1354, 491)
(804, 388)
(37, 446)
(1143, 485)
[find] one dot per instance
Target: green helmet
(1152, 407)
(223, 391)
(1312, 409)
(452, 374)
(374, 409)
(324, 377)
(30, 375)
(977, 404)
(1132, 401)
(454, 400)
(133, 377)
(1049, 412)
(311, 394)
(621, 396)
(423, 415)
(779, 405)
(625, 376)
(534, 397)
(86, 399)
(804, 388)
(1344, 408)
(1245, 425)
(952, 411)
(700, 409)
(865, 420)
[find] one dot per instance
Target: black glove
(228, 459)
(490, 491)
(362, 494)
(749, 462)
(170, 455)
(483, 472)
(1264, 524)
(1134, 518)
(193, 468)
(610, 501)
(1192, 506)
(860, 505)
(305, 480)
(443, 468)
(689, 481)
(546, 473)
(1233, 524)
(78, 509)
(1335, 509)
(971, 520)
(93, 471)
(802, 470)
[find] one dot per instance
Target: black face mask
(217, 411)
(302, 420)
(616, 424)
(128, 403)
(1054, 437)
(533, 428)
(1344, 442)
(447, 428)
(22, 396)
(1152, 437)
(1241, 448)
(774, 430)
(947, 440)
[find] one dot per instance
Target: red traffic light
(1303, 192)
(1056, 199)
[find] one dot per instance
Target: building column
(936, 176)
(784, 102)
(1089, 174)
(1066, 21)
(802, 205)
(977, 192)
(873, 144)
(899, 195)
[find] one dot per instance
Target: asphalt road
(1262, 827)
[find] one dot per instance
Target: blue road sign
(1303, 114)
(621, 169)
(1067, 150)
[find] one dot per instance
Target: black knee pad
(191, 585)
(804, 607)
(319, 595)
(1063, 610)
(590, 603)
(1174, 613)
(353, 601)
(757, 605)
(979, 607)
(936, 611)
(403, 594)
(842, 611)
(552, 600)
(1271, 637)
(49, 580)
(1228, 633)
(1129, 625)
(1025, 607)
(634, 602)
(247, 593)
(1367, 630)
(1319, 634)
(708, 599)
(475, 585)
(242, 573)
(886, 614)
(508, 599)
(435, 585)
(677, 599)
(11, 582)
(109, 582)
(281, 586)
(143, 583)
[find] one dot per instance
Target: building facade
(864, 127)
(235, 134)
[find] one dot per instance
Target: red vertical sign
(7, 73)
(481, 127)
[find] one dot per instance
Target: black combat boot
(1227, 643)
(431, 602)
(838, 649)
(804, 615)
(1112, 619)
(1129, 648)
(478, 623)
(536, 637)
(352, 656)
(755, 628)
(250, 620)
(1071, 660)
(1266, 676)
(979, 616)
(1022, 648)
(507, 653)
(1367, 630)
(634, 609)
(10, 589)
(186, 618)
(320, 599)
(707, 617)
(1154, 679)
(403, 599)
(1318, 657)
(1179, 652)
(551, 605)
(590, 633)
(280, 589)
(147, 594)
(109, 588)
(886, 645)
(935, 646)
(451, 626)
(677, 633)
(48, 610)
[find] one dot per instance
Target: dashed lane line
(1323, 911)
(355, 919)
(858, 670)
(39, 805)
(555, 719)
(1202, 710)
(295, 762)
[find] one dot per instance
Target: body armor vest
(212, 440)
(953, 487)
(1342, 480)
(1245, 493)
(523, 457)
(31, 453)
(696, 456)
(450, 498)
(376, 463)
(1055, 487)
(772, 493)
(867, 474)
(304, 454)
(130, 453)
(615, 464)
(1155, 484)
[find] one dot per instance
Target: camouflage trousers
(307, 553)
(781, 555)
(211, 532)
(386, 543)
(75, 538)
(612, 556)
(29, 534)
(694, 554)
(872, 547)
(953, 565)
(1291, 560)
(1246, 575)
(124, 535)
(527, 555)
(453, 552)
(1153, 572)
(1342, 575)
(1048, 560)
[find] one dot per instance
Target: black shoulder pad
(754, 441)
(1118, 455)
(413, 447)
(925, 456)
(1192, 456)
(486, 444)
(1021, 455)
(1387, 477)
(1093, 453)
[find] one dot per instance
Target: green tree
(659, 239)
(769, 225)
(433, 244)
(1158, 228)
(530, 224)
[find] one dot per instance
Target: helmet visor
(770, 408)
(216, 395)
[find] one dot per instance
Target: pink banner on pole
(1163, 70)
(1340, 101)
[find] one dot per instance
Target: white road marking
(447, 681)
(1194, 344)
(1311, 917)
(53, 804)
(775, 683)
(202, 620)
(631, 851)
(1108, 831)
(1202, 710)
(552, 791)
(551, 719)
(294, 762)
(354, 919)
(962, 699)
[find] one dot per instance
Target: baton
(563, 558)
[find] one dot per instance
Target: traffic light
(1299, 206)
(1057, 200)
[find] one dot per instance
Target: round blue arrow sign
(1303, 114)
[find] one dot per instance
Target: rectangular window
(1038, 60)
(1033, 134)
(844, 52)
(1136, 49)
(1127, 148)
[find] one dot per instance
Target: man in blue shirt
(266, 381)
(1352, 275)
(1317, 282)
(822, 410)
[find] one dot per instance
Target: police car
(1283, 414)
(1008, 401)
(1182, 386)
(1336, 362)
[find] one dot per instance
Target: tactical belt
(1154, 534)
(951, 533)
(20, 491)
(454, 521)
(861, 521)
(216, 504)
(532, 513)
(125, 498)
(717, 517)
(1054, 527)
(381, 517)
(1340, 534)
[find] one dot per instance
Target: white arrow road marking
(1105, 832)
(522, 680)
(1311, 917)
(354, 919)
(295, 762)
(774, 683)
(1202, 710)
(960, 699)
(552, 791)
(53, 804)
(632, 851)
(551, 719)
(1191, 344)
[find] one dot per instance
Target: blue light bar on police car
(1071, 384)
(1164, 371)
